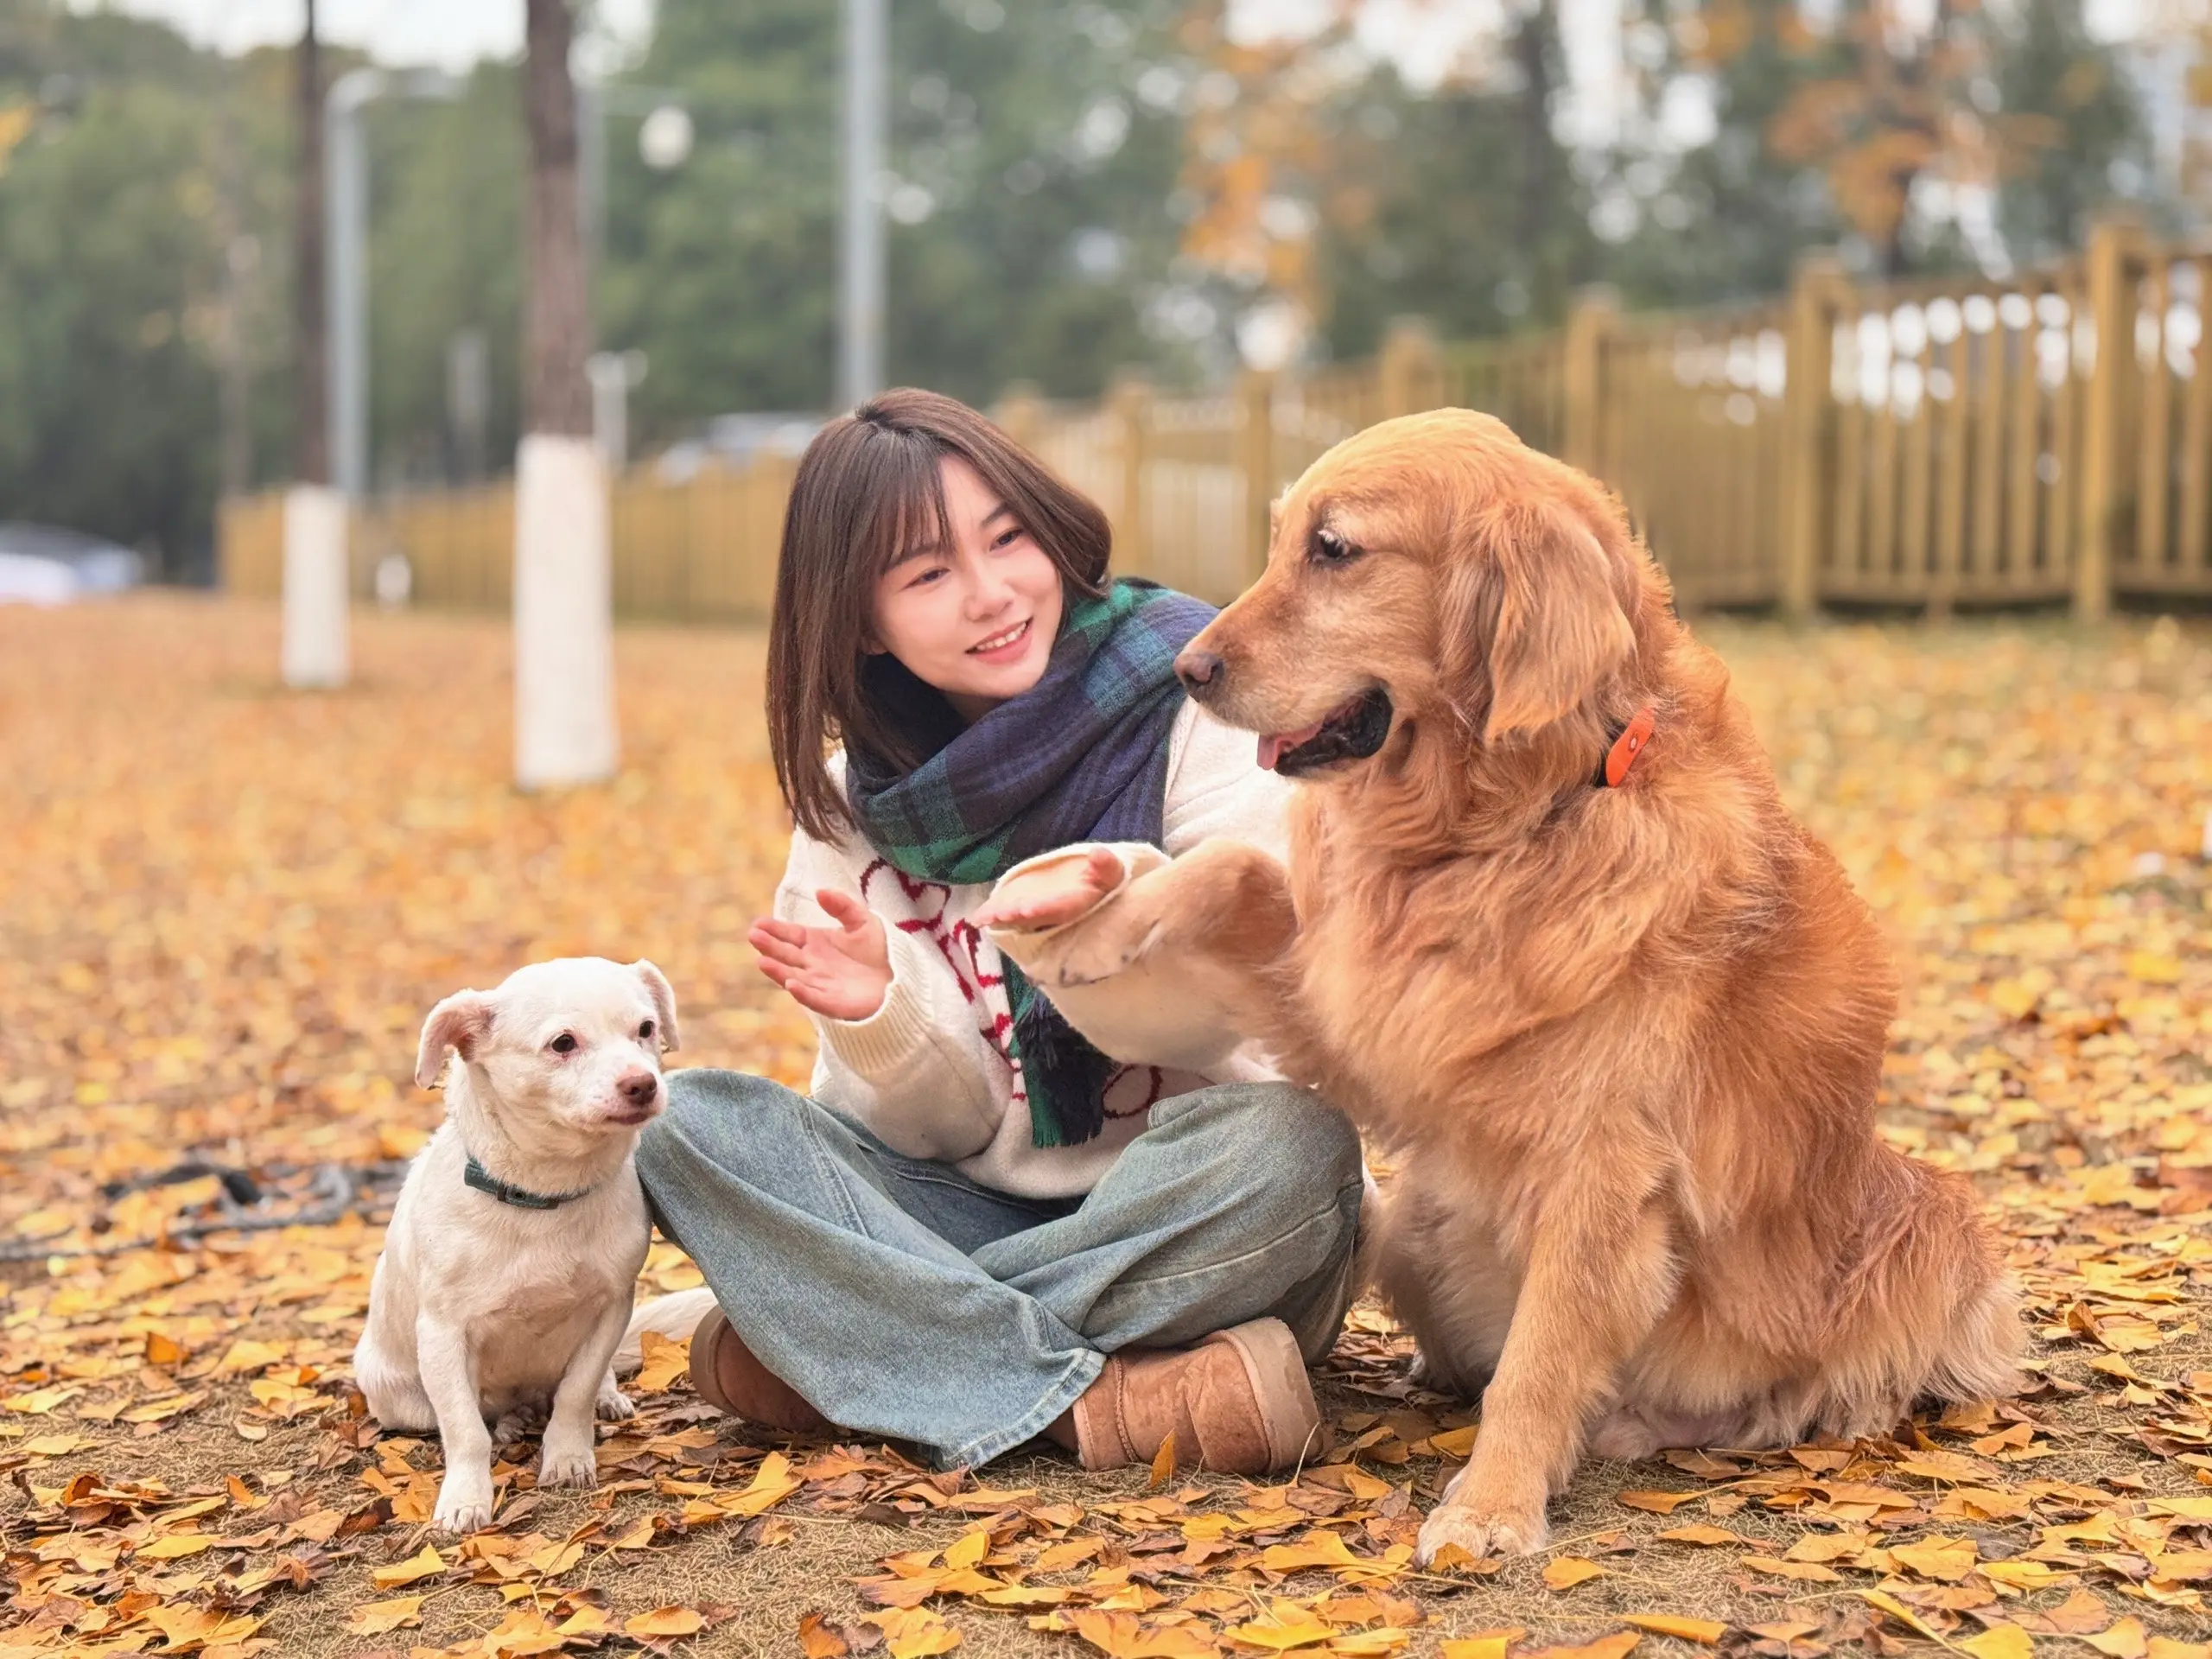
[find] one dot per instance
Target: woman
(978, 1229)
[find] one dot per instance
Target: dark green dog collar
(474, 1174)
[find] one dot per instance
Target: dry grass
(223, 909)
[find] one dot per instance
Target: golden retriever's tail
(1925, 1310)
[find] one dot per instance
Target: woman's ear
(1561, 627)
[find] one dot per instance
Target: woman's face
(975, 619)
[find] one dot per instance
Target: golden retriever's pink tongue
(1274, 745)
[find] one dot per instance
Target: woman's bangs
(910, 511)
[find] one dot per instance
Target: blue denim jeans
(904, 1299)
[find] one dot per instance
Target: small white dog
(515, 1245)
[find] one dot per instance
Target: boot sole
(1276, 1370)
(703, 1383)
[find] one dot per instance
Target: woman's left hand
(840, 972)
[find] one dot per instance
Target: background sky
(1423, 37)
(454, 33)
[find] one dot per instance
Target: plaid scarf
(1081, 756)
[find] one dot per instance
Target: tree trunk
(310, 326)
(1531, 46)
(565, 729)
(556, 395)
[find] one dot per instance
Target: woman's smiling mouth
(1004, 643)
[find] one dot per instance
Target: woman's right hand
(840, 972)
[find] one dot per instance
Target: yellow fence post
(1131, 398)
(1410, 369)
(1020, 414)
(1255, 453)
(2103, 494)
(1807, 428)
(1596, 311)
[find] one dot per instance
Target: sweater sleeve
(919, 1071)
(1216, 787)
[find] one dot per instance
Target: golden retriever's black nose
(638, 1087)
(1201, 672)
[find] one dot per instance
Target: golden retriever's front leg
(1600, 1275)
(1224, 901)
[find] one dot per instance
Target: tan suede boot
(1239, 1403)
(728, 1377)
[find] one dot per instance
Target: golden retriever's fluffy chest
(1376, 983)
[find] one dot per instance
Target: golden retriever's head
(1432, 567)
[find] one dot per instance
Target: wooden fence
(1960, 441)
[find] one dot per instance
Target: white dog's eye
(646, 1031)
(565, 1043)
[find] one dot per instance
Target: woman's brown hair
(869, 486)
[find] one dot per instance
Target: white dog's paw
(464, 1502)
(513, 1426)
(613, 1405)
(1481, 1530)
(568, 1468)
(1441, 1375)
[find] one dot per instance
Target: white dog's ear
(460, 1022)
(663, 1001)
(1561, 626)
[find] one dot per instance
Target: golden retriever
(1550, 938)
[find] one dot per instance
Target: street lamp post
(664, 139)
(860, 332)
(316, 579)
(347, 144)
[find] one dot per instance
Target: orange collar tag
(1628, 745)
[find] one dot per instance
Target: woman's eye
(646, 1031)
(1009, 539)
(565, 1043)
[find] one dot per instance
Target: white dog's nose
(637, 1088)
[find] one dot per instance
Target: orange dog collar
(1626, 747)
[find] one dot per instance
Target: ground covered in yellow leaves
(223, 912)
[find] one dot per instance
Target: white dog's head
(580, 1038)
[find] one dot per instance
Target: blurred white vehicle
(42, 564)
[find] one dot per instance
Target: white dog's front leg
(570, 1457)
(449, 1378)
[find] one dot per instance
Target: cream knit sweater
(928, 1072)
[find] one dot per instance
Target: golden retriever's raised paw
(1052, 892)
(1481, 1530)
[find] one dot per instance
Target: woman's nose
(988, 590)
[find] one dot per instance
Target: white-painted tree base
(314, 648)
(564, 641)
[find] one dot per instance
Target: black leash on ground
(246, 1203)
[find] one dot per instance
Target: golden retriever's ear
(1561, 627)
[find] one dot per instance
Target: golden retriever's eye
(565, 1043)
(1326, 546)
(646, 1031)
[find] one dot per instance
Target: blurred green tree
(2070, 125)
(1461, 204)
(106, 278)
(445, 257)
(1028, 176)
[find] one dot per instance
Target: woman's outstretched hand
(839, 972)
(1051, 891)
